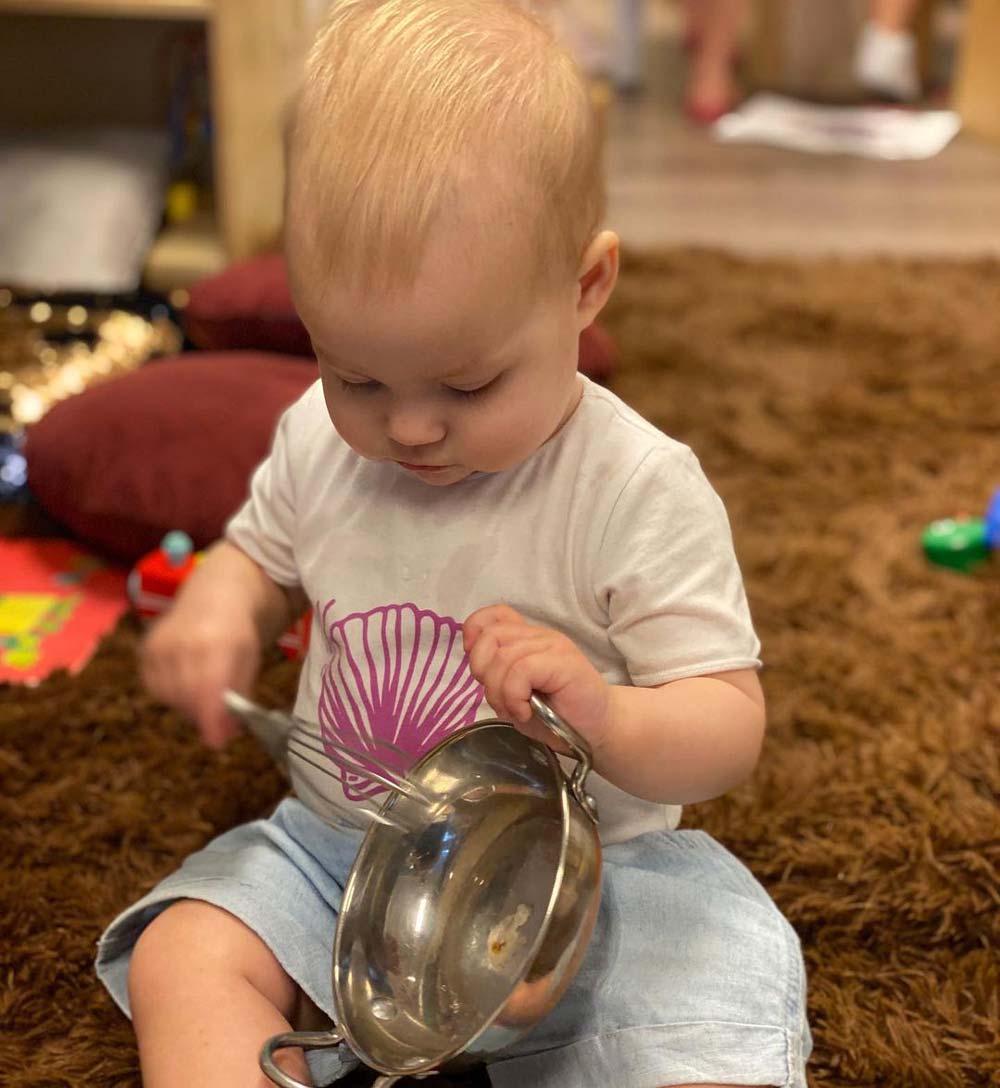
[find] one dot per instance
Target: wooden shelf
(255, 51)
(132, 9)
(977, 86)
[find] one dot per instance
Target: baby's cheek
(498, 445)
(353, 428)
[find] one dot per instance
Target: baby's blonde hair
(406, 104)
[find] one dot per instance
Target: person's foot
(886, 63)
(705, 114)
(711, 92)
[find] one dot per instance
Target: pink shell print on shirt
(400, 674)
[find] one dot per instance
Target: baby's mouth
(423, 468)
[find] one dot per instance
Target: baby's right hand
(188, 659)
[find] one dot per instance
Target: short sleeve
(667, 576)
(264, 527)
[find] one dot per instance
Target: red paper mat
(56, 603)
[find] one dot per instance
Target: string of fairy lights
(49, 352)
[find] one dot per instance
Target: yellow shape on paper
(24, 620)
(20, 659)
(22, 612)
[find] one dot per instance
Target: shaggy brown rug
(838, 407)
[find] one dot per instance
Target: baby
(471, 520)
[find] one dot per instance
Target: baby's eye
(359, 387)
(471, 394)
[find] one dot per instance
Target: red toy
(157, 577)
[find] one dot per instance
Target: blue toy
(13, 468)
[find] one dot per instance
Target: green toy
(959, 543)
(964, 543)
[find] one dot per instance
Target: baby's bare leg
(205, 993)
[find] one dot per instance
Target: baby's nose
(413, 427)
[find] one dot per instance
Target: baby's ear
(597, 276)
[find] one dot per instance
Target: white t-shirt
(609, 533)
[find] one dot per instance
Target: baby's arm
(682, 742)
(211, 638)
(685, 741)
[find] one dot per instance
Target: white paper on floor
(875, 132)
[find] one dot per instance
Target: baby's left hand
(512, 658)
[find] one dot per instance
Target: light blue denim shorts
(692, 975)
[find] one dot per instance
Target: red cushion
(249, 305)
(598, 353)
(170, 446)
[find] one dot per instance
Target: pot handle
(577, 745)
(306, 1040)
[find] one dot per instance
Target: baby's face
(467, 371)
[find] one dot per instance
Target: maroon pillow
(170, 446)
(598, 353)
(249, 305)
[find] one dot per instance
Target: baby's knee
(192, 940)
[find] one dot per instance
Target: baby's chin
(446, 478)
(455, 474)
(443, 477)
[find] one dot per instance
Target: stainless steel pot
(464, 921)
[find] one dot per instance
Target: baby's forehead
(481, 248)
(455, 311)
(479, 196)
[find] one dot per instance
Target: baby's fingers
(511, 675)
(189, 669)
(486, 618)
(204, 684)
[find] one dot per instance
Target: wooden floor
(670, 184)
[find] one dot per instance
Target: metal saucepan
(464, 919)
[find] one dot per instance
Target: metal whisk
(283, 734)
